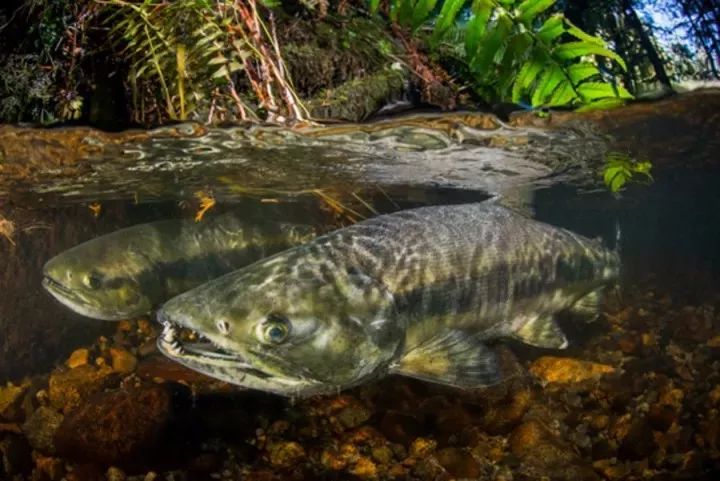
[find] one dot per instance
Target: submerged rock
(79, 357)
(123, 361)
(68, 387)
(40, 429)
(551, 369)
(116, 427)
(286, 454)
(10, 399)
(15, 456)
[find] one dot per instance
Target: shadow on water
(655, 412)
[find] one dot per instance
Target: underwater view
(570, 333)
(359, 240)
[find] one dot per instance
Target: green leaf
(598, 90)
(446, 18)
(610, 173)
(549, 81)
(618, 182)
(405, 12)
(525, 78)
(530, 9)
(421, 12)
(563, 95)
(552, 28)
(492, 44)
(602, 104)
(572, 50)
(221, 72)
(475, 27)
(581, 71)
(581, 35)
(374, 4)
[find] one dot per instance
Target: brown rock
(115, 427)
(500, 417)
(67, 387)
(122, 360)
(40, 429)
(286, 454)
(399, 427)
(639, 442)
(78, 358)
(15, 455)
(10, 400)
(382, 454)
(458, 462)
(422, 447)
(612, 470)
(343, 412)
(85, 472)
(661, 417)
(543, 454)
(49, 468)
(115, 474)
(525, 437)
(551, 369)
(364, 468)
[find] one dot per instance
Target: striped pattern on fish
(417, 292)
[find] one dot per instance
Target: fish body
(129, 272)
(418, 293)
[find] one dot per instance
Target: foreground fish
(129, 272)
(416, 293)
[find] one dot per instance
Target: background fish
(417, 293)
(129, 272)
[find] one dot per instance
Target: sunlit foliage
(516, 50)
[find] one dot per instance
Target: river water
(636, 396)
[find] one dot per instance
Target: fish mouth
(54, 286)
(204, 355)
(71, 299)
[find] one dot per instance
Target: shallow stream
(636, 396)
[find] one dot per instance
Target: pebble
(286, 454)
(122, 360)
(564, 370)
(79, 357)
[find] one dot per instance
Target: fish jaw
(78, 304)
(211, 360)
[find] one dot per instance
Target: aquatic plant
(515, 51)
(620, 169)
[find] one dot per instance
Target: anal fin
(454, 358)
(542, 331)
(587, 307)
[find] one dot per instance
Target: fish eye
(276, 329)
(92, 281)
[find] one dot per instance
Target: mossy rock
(322, 55)
(358, 99)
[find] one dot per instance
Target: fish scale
(418, 293)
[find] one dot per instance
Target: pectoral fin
(542, 332)
(587, 308)
(454, 359)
